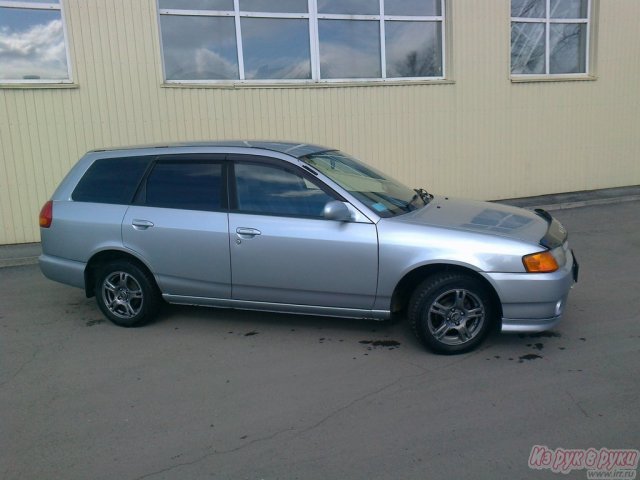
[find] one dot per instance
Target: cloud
(38, 51)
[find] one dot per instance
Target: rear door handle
(141, 224)
(247, 232)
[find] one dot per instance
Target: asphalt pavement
(205, 393)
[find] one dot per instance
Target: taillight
(46, 214)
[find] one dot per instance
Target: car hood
(481, 217)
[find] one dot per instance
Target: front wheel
(451, 312)
(126, 294)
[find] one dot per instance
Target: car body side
(408, 249)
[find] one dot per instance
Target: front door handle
(141, 224)
(247, 232)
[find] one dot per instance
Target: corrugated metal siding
(482, 136)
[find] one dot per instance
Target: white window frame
(547, 21)
(43, 5)
(314, 42)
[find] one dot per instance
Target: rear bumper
(534, 302)
(62, 270)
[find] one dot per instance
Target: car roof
(295, 149)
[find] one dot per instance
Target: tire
(451, 313)
(126, 294)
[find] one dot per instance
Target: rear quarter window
(111, 180)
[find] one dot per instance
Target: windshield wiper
(423, 194)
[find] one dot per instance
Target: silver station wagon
(299, 228)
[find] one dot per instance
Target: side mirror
(336, 210)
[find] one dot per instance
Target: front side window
(301, 40)
(270, 190)
(33, 46)
(550, 37)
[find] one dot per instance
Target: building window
(33, 46)
(550, 37)
(255, 41)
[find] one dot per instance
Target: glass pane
(104, 182)
(199, 48)
(349, 7)
(32, 45)
(276, 48)
(569, 8)
(414, 49)
(413, 7)
(270, 190)
(286, 6)
(349, 49)
(528, 8)
(527, 48)
(568, 48)
(382, 194)
(197, 4)
(188, 186)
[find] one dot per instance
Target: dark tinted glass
(274, 191)
(111, 180)
(189, 186)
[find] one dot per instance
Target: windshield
(383, 195)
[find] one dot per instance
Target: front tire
(126, 294)
(451, 313)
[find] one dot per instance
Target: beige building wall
(478, 135)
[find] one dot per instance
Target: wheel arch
(410, 281)
(103, 257)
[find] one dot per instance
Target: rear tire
(451, 313)
(126, 294)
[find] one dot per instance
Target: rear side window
(111, 180)
(188, 186)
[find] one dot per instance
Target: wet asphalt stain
(380, 343)
(528, 356)
(540, 335)
(91, 323)
(537, 346)
(583, 339)
(251, 333)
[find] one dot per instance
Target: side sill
(279, 307)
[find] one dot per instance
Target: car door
(179, 226)
(282, 248)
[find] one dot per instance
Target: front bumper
(534, 302)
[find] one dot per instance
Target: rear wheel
(451, 312)
(126, 294)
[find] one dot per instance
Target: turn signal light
(542, 262)
(46, 214)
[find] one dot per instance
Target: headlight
(541, 262)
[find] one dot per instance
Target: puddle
(91, 323)
(528, 356)
(540, 335)
(380, 343)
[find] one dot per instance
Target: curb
(588, 203)
(18, 262)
